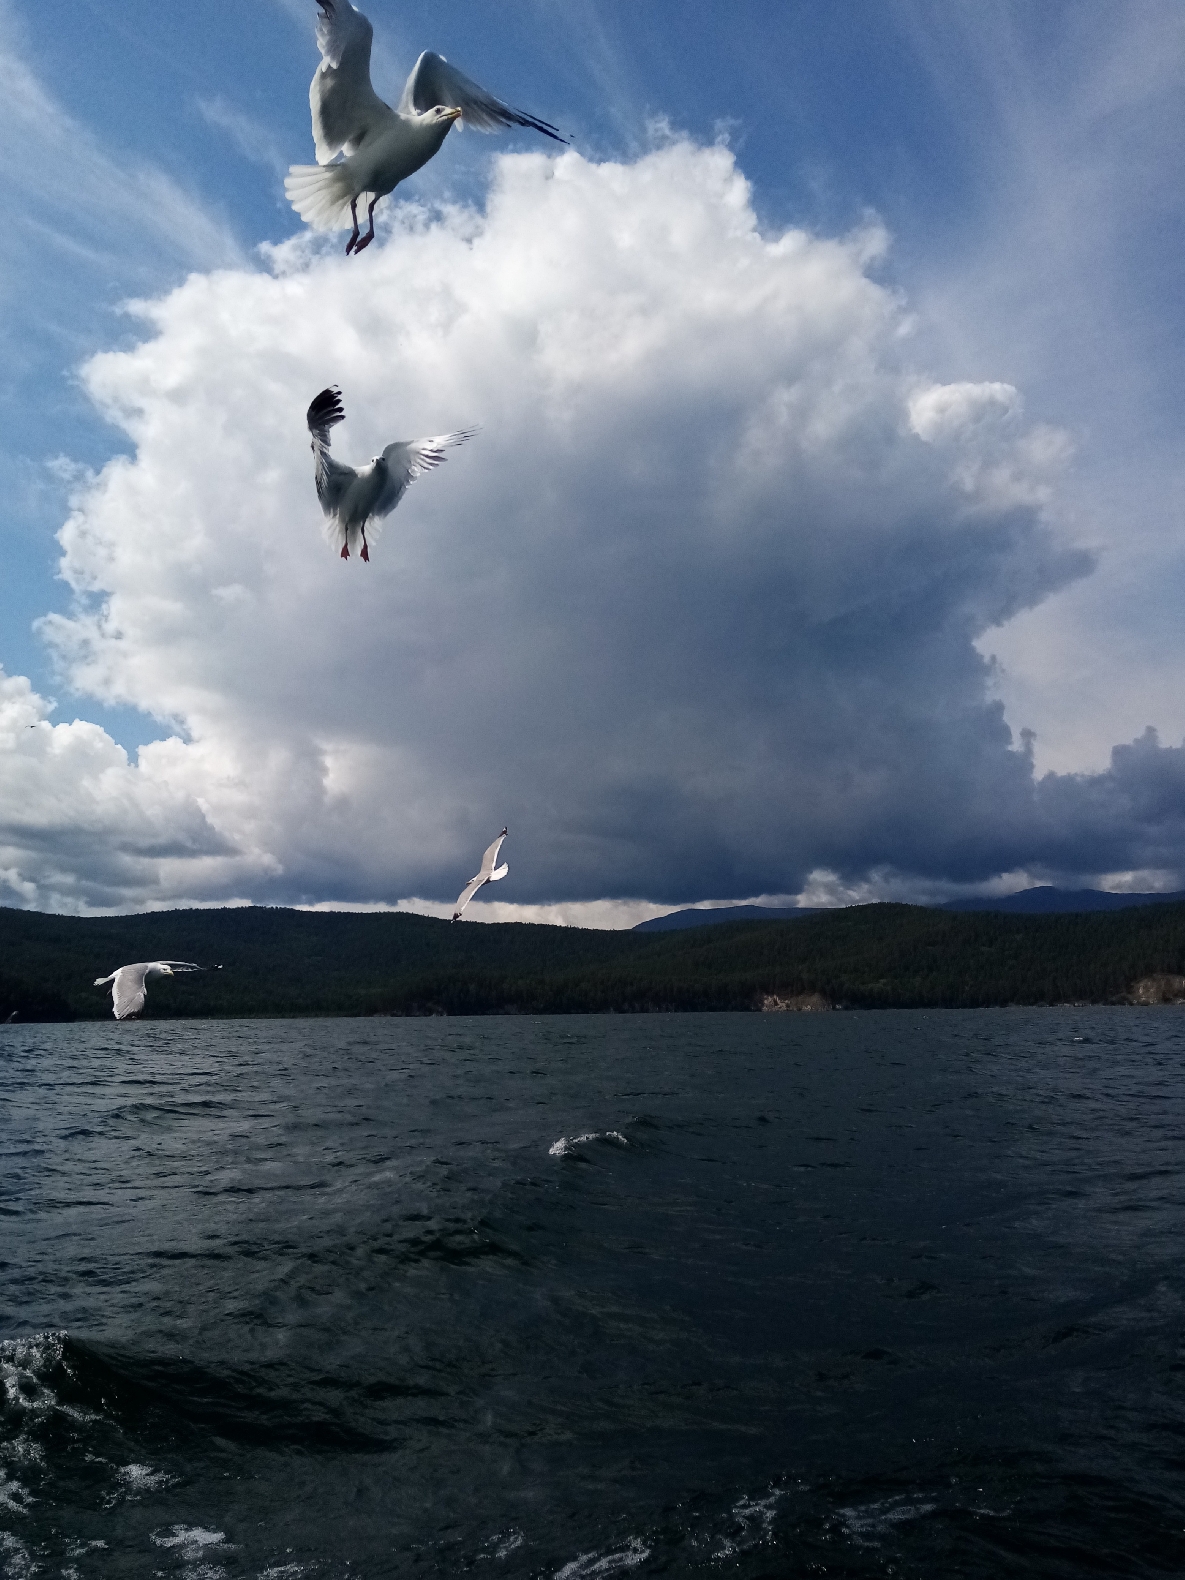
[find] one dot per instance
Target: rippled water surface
(855, 1294)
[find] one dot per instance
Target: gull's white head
(445, 112)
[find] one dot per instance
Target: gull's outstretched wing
(343, 102)
(490, 858)
(333, 477)
(128, 990)
(325, 412)
(407, 459)
(467, 894)
(433, 81)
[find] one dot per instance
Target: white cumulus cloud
(80, 828)
(694, 614)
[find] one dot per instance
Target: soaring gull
(350, 499)
(486, 875)
(129, 985)
(382, 146)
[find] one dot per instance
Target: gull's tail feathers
(340, 537)
(321, 195)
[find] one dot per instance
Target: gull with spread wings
(381, 146)
(351, 500)
(129, 985)
(488, 874)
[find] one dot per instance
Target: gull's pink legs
(369, 237)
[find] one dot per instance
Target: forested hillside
(279, 962)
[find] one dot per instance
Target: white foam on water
(142, 1478)
(13, 1497)
(634, 1552)
(756, 1519)
(17, 1562)
(876, 1519)
(23, 1365)
(504, 1543)
(567, 1145)
(22, 1450)
(281, 1572)
(192, 1540)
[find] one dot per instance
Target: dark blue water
(859, 1294)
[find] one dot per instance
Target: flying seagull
(350, 499)
(488, 874)
(381, 146)
(129, 984)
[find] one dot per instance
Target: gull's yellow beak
(454, 113)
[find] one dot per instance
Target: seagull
(129, 983)
(350, 499)
(488, 874)
(381, 146)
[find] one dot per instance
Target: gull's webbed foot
(345, 551)
(365, 551)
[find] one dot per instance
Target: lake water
(853, 1294)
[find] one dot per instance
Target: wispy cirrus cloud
(253, 139)
(86, 200)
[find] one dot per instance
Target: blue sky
(1025, 166)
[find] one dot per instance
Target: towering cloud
(694, 614)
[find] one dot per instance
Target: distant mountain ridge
(1048, 901)
(725, 913)
(1044, 900)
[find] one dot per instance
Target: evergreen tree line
(283, 963)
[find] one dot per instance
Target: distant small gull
(350, 499)
(486, 875)
(382, 146)
(129, 985)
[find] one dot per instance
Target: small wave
(876, 1519)
(588, 1565)
(505, 1542)
(567, 1145)
(25, 1366)
(754, 1523)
